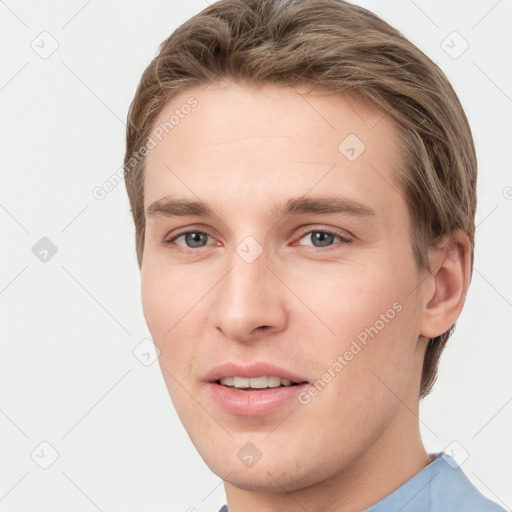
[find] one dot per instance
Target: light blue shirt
(440, 487)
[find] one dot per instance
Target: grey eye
(320, 238)
(193, 239)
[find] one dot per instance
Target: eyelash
(343, 240)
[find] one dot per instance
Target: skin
(241, 150)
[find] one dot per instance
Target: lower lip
(254, 403)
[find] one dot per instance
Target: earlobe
(447, 286)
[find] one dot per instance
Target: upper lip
(251, 370)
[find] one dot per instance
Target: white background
(69, 326)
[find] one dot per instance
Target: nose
(249, 302)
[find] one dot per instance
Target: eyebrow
(175, 207)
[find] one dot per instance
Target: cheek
(156, 301)
(169, 303)
(167, 294)
(368, 320)
(347, 299)
(363, 371)
(167, 306)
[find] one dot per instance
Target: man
(303, 184)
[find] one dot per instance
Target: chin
(270, 475)
(267, 480)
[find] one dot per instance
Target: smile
(264, 382)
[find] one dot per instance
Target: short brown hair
(342, 47)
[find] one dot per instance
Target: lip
(255, 403)
(258, 402)
(252, 370)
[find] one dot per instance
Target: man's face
(330, 298)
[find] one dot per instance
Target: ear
(446, 287)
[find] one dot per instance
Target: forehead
(239, 142)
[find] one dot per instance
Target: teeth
(227, 381)
(241, 382)
(255, 382)
(264, 382)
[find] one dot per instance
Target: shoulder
(451, 489)
(440, 487)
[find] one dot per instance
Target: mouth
(256, 383)
(257, 375)
(259, 389)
